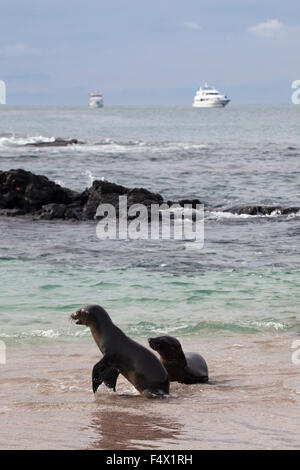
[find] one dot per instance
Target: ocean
(239, 291)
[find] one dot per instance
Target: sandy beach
(252, 402)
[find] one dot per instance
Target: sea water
(245, 280)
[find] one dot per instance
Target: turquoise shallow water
(245, 280)
(52, 268)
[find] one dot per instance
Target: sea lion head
(168, 347)
(90, 315)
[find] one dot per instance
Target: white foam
(231, 215)
(45, 333)
(60, 182)
(18, 141)
(92, 178)
(269, 324)
(293, 215)
(225, 215)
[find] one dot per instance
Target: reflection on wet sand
(132, 427)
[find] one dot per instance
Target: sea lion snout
(80, 316)
(167, 346)
(89, 315)
(153, 343)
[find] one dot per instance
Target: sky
(148, 52)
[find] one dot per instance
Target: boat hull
(96, 104)
(219, 104)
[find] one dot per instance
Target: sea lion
(121, 355)
(186, 368)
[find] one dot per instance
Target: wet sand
(253, 402)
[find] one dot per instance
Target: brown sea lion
(186, 368)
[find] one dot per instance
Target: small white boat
(208, 97)
(96, 100)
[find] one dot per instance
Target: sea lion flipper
(111, 379)
(97, 377)
(104, 371)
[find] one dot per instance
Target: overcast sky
(148, 52)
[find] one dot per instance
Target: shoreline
(251, 403)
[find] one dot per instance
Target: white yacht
(208, 97)
(96, 100)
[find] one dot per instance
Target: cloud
(191, 25)
(269, 28)
(17, 50)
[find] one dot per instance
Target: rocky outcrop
(104, 192)
(58, 142)
(262, 210)
(22, 192)
(25, 191)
